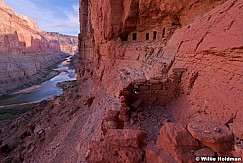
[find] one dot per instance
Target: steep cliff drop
(159, 81)
(25, 50)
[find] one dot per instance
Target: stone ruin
(140, 128)
(120, 133)
(161, 32)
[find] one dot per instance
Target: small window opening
(155, 35)
(163, 33)
(147, 36)
(134, 36)
(173, 24)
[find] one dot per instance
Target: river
(46, 90)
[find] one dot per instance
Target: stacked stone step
(119, 113)
(124, 110)
(111, 119)
(119, 145)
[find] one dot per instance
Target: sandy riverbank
(29, 73)
(27, 90)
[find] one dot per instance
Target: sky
(51, 15)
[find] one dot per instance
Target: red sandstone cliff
(20, 34)
(187, 55)
(68, 44)
(17, 37)
(25, 50)
(202, 37)
(159, 81)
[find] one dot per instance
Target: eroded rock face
(237, 129)
(20, 34)
(214, 135)
(125, 137)
(119, 145)
(136, 40)
(208, 47)
(25, 50)
(68, 44)
(211, 50)
(17, 70)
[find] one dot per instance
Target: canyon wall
(25, 50)
(207, 44)
(18, 72)
(68, 44)
(158, 81)
(17, 37)
(20, 34)
(147, 42)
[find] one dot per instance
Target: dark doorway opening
(155, 35)
(147, 36)
(134, 36)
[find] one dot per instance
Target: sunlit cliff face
(20, 34)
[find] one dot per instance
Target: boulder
(125, 137)
(174, 135)
(131, 155)
(238, 151)
(111, 115)
(237, 129)
(204, 152)
(155, 155)
(177, 141)
(99, 151)
(214, 135)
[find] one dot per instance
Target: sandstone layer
(25, 50)
(159, 81)
(67, 44)
(17, 71)
(20, 34)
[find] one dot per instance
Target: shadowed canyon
(25, 50)
(158, 81)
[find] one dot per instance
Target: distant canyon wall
(18, 72)
(26, 51)
(20, 34)
(67, 44)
